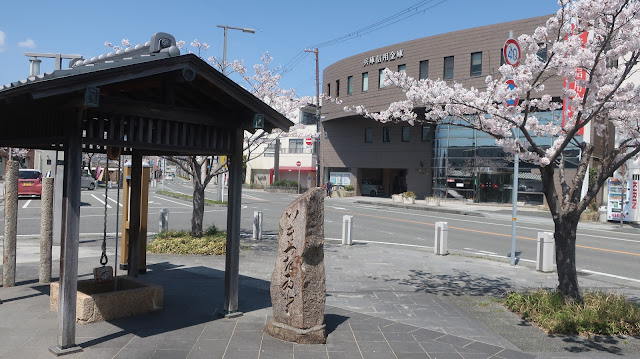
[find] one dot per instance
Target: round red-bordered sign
(298, 163)
(511, 52)
(512, 85)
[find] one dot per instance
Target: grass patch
(187, 197)
(212, 242)
(600, 313)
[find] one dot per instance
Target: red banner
(567, 111)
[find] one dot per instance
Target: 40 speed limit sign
(511, 52)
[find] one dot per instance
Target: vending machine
(619, 200)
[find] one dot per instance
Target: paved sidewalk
(382, 302)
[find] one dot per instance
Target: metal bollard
(440, 245)
(347, 229)
(257, 225)
(164, 220)
(545, 253)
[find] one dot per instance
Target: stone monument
(298, 287)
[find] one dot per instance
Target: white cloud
(3, 38)
(28, 43)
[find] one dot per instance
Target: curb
(422, 208)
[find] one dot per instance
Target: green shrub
(212, 242)
(284, 183)
(409, 194)
(600, 313)
(348, 187)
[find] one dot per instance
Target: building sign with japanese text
(385, 57)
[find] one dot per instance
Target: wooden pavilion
(147, 100)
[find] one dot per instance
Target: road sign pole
(298, 180)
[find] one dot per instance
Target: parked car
(29, 183)
(371, 187)
(87, 181)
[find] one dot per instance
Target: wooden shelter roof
(159, 103)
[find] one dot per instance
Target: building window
(424, 70)
(448, 68)
(386, 134)
(368, 135)
(295, 145)
(365, 81)
(405, 133)
(402, 68)
(426, 132)
(329, 90)
(542, 52)
(308, 118)
(381, 78)
(476, 64)
(337, 88)
(349, 85)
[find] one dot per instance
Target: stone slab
(97, 302)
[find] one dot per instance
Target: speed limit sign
(511, 52)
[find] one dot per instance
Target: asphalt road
(601, 249)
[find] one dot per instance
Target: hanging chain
(103, 258)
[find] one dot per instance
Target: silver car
(87, 181)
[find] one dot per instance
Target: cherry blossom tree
(603, 98)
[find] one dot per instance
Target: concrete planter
(396, 198)
(409, 200)
(97, 302)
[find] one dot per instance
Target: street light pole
(224, 49)
(220, 187)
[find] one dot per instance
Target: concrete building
(426, 159)
(295, 147)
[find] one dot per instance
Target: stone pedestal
(298, 288)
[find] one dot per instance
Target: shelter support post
(232, 262)
(134, 214)
(10, 225)
(70, 232)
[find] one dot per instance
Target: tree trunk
(198, 204)
(565, 238)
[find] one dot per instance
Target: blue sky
(283, 27)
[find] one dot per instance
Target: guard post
(440, 245)
(347, 228)
(545, 252)
(144, 212)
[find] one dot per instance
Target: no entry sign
(308, 141)
(298, 163)
(511, 52)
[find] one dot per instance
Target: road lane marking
(168, 200)
(608, 275)
(252, 197)
(99, 200)
(114, 201)
(490, 233)
(26, 204)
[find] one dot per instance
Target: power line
(409, 12)
(381, 24)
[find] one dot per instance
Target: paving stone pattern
(382, 302)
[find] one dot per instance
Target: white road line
(114, 201)
(608, 275)
(338, 208)
(99, 200)
(26, 204)
(435, 215)
(168, 200)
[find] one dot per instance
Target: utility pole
(317, 144)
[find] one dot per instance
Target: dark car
(29, 183)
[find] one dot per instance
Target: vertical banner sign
(581, 75)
